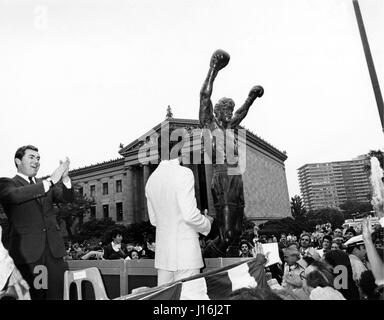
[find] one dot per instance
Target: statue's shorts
(227, 190)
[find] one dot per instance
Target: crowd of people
(327, 264)
(112, 250)
(312, 263)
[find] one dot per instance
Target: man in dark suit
(35, 243)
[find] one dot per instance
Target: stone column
(146, 174)
(129, 205)
(136, 193)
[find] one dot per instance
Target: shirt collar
(172, 161)
(26, 178)
(116, 247)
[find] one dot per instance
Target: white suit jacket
(172, 209)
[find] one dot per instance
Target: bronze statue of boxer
(227, 189)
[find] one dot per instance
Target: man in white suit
(172, 209)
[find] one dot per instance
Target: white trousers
(165, 276)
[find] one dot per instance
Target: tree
(307, 222)
(297, 207)
(96, 229)
(285, 225)
(75, 210)
(101, 229)
(324, 215)
(350, 207)
(138, 232)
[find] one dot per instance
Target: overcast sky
(77, 77)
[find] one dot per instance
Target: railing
(121, 276)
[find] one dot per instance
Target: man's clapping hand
(61, 171)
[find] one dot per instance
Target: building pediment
(172, 123)
(252, 140)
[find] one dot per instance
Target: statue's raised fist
(256, 92)
(219, 59)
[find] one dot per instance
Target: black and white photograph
(204, 151)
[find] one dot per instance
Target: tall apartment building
(332, 183)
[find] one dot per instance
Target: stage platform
(121, 276)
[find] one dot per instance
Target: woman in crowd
(335, 245)
(349, 233)
(245, 249)
(115, 249)
(134, 254)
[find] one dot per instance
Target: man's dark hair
(245, 241)
(132, 251)
(115, 233)
(351, 229)
(21, 151)
(223, 103)
(329, 238)
(322, 276)
(171, 153)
